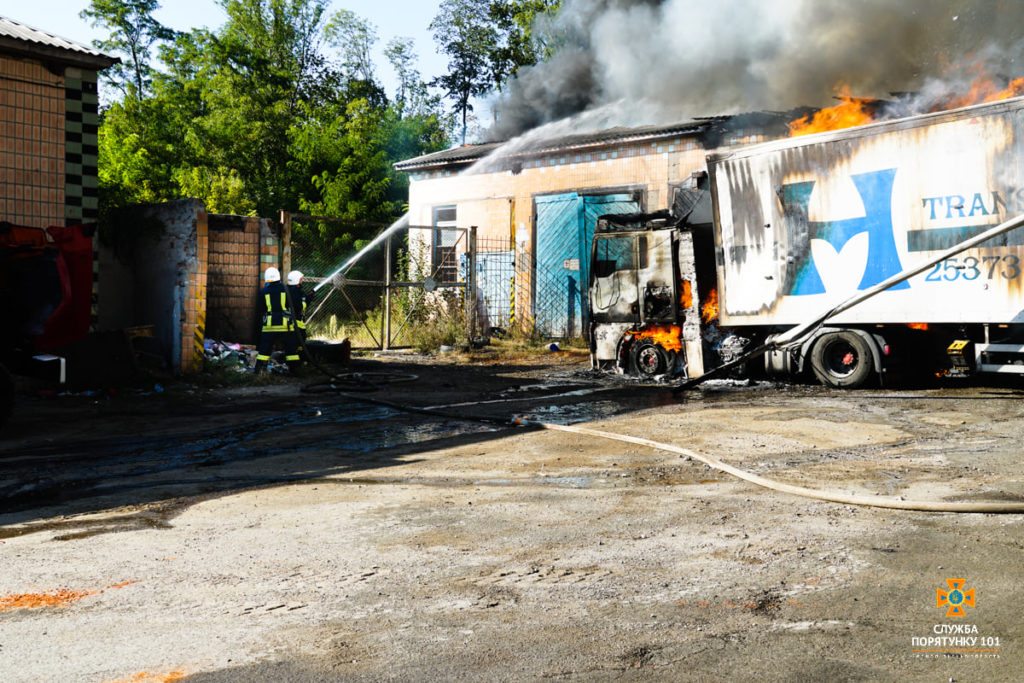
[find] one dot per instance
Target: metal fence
(425, 286)
(407, 291)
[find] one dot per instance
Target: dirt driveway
(264, 533)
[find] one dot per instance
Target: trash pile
(230, 355)
(240, 357)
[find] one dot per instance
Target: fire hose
(898, 503)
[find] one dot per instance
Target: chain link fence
(426, 286)
(407, 290)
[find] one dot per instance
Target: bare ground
(264, 533)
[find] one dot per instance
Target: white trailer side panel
(804, 223)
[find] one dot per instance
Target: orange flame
(851, 111)
(667, 336)
(918, 326)
(858, 111)
(709, 311)
(686, 295)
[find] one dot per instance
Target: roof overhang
(468, 154)
(25, 41)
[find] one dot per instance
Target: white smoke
(685, 58)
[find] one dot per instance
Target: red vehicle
(46, 283)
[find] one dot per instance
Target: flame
(686, 295)
(984, 88)
(851, 111)
(709, 311)
(918, 326)
(858, 111)
(669, 337)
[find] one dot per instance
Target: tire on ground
(842, 360)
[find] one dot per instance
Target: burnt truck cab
(644, 301)
(653, 307)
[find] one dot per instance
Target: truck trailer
(774, 234)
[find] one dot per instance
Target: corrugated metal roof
(47, 42)
(469, 153)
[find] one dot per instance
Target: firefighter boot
(260, 366)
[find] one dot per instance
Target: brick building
(535, 204)
(171, 267)
(48, 125)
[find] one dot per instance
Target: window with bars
(445, 264)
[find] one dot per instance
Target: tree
(523, 44)
(355, 38)
(254, 117)
(133, 32)
(463, 30)
(244, 86)
(402, 58)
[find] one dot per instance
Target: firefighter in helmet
(278, 325)
(298, 298)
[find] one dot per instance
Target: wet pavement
(264, 533)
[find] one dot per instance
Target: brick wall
(32, 141)
(234, 278)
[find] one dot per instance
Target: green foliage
(487, 41)
(526, 41)
(463, 31)
(355, 38)
(255, 117)
(133, 32)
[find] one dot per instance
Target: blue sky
(393, 18)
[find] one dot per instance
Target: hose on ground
(362, 382)
(1001, 507)
(352, 381)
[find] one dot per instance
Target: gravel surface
(266, 533)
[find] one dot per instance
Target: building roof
(26, 41)
(529, 148)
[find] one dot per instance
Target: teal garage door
(565, 228)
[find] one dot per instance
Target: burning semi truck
(776, 233)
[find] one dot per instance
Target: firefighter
(278, 326)
(298, 300)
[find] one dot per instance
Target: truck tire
(842, 360)
(649, 359)
(6, 395)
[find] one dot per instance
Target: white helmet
(295, 277)
(272, 274)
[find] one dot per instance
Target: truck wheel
(649, 359)
(842, 360)
(6, 395)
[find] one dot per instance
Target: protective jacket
(298, 299)
(276, 317)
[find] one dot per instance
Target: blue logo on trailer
(883, 261)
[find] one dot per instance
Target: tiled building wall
(234, 278)
(81, 149)
(32, 142)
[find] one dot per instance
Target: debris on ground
(228, 354)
